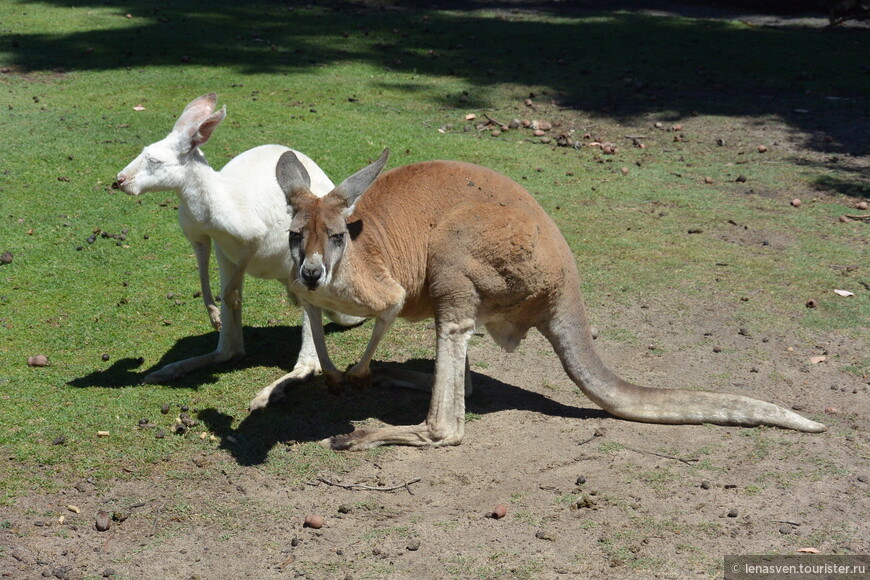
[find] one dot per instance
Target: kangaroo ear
(352, 188)
(196, 111)
(292, 177)
(207, 127)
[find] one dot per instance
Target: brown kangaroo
(469, 247)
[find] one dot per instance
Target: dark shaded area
(266, 346)
(310, 413)
(601, 58)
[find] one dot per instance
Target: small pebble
(499, 512)
(59, 440)
(6, 258)
(580, 480)
(39, 360)
(545, 535)
(785, 529)
(413, 545)
(732, 513)
(706, 484)
(164, 409)
(313, 521)
(104, 521)
(105, 357)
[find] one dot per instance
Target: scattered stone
(159, 434)
(717, 349)
(706, 484)
(741, 179)
(344, 509)
(105, 357)
(732, 513)
(164, 409)
(6, 258)
(762, 149)
(59, 440)
(545, 535)
(862, 205)
(413, 545)
(796, 202)
(313, 521)
(74, 508)
(295, 542)
(830, 410)
(785, 529)
(39, 360)
(863, 478)
(580, 480)
(104, 521)
(109, 572)
(499, 512)
(743, 331)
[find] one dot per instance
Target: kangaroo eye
(337, 239)
(295, 237)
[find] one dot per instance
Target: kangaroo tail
(568, 332)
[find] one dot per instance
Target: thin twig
(686, 461)
(369, 487)
(491, 120)
(858, 217)
(785, 522)
(156, 516)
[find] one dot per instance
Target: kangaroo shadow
(309, 413)
(266, 346)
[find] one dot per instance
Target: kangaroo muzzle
(312, 272)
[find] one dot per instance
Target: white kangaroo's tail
(568, 332)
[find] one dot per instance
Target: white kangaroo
(469, 247)
(243, 211)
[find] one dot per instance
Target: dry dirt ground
(586, 495)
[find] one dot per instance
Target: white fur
(242, 211)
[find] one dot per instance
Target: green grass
(340, 84)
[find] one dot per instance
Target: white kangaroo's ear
(352, 188)
(207, 127)
(196, 111)
(292, 177)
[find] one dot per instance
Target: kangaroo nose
(119, 181)
(311, 274)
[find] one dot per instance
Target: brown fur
(469, 247)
